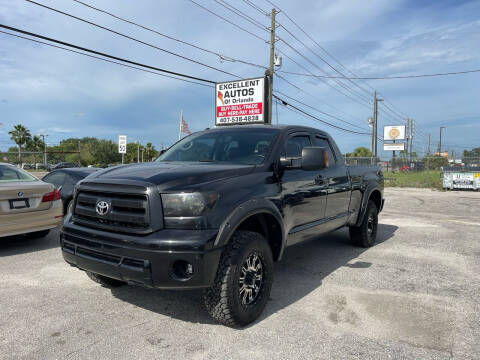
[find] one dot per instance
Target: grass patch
(416, 179)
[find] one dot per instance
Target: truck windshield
(9, 174)
(239, 147)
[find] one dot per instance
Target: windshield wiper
(206, 160)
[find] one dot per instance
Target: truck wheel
(104, 281)
(243, 281)
(366, 234)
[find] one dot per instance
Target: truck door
(303, 192)
(339, 189)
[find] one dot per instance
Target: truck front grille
(127, 212)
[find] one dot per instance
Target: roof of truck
(264, 126)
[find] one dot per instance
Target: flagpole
(180, 125)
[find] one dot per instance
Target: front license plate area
(19, 204)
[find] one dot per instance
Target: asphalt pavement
(416, 294)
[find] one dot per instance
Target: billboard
(393, 132)
(122, 144)
(240, 102)
(393, 146)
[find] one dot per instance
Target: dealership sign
(240, 102)
(394, 132)
(393, 146)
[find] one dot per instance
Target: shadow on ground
(22, 244)
(301, 271)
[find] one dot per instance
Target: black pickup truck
(216, 210)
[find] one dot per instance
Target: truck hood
(169, 175)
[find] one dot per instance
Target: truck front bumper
(167, 259)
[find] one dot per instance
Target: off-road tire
(223, 300)
(105, 281)
(365, 235)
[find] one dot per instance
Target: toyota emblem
(102, 207)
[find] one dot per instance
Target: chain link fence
(425, 172)
(29, 160)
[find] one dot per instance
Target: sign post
(122, 145)
(240, 102)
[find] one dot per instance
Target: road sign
(122, 144)
(394, 132)
(393, 146)
(240, 102)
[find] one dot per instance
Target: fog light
(182, 270)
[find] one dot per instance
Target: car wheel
(365, 235)
(243, 281)
(105, 281)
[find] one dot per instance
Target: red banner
(240, 110)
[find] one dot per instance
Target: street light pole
(440, 142)
(44, 150)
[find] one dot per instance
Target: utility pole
(271, 68)
(440, 142)
(138, 151)
(44, 150)
(375, 122)
(79, 159)
(411, 132)
(428, 163)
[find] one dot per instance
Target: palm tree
(20, 135)
(35, 145)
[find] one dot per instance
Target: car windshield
(232, 146)
(10, 174)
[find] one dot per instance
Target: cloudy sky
(70, 95)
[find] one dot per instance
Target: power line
(323, 80)
(324, 61)
(318, 119)
(216, 53)
(110, 61)
(256, 7)
(101, 53)
(132, 38)
(256, 23)
(327, 52)
(312, 96)
(384, 77)
(320, 111)
(228, 21)
(319, 68)
(241, 14)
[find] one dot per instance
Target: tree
(20, 135)
(106, 152)
(360, 152)
(35, 145)
(150, 152)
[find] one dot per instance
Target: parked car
(27, 204)
(65, 179)
(62, 165)
(216, 210)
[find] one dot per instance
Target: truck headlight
(187, 204)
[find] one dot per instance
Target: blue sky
(69, 95)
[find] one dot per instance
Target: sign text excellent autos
(240, 102)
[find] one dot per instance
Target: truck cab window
(295, 145)
(322, 142)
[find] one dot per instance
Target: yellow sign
(394, 133)
(476, 175)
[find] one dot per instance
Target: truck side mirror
(314, 158)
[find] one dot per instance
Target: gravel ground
(414, 295)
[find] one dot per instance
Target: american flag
(184, 126)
